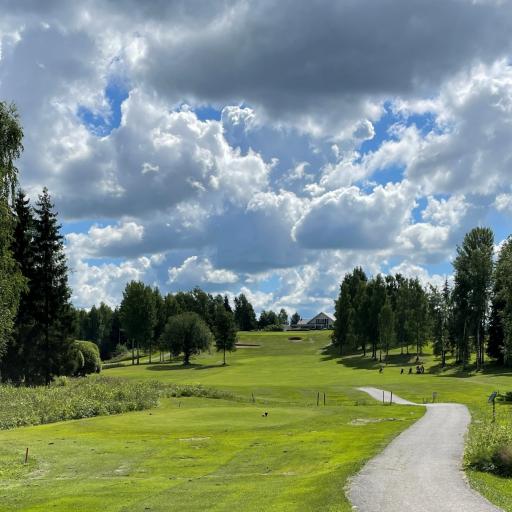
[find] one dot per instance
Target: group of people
(419, 369)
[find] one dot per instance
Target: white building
(320, 321)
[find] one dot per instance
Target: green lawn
(197, 454)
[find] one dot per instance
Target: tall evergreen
(12, 365)
(51, 351)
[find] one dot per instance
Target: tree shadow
(174, 367)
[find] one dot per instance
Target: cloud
(350, 219)
(195, 271)
(206, 144)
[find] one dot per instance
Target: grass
(196, 453)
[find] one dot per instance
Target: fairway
(196, 453)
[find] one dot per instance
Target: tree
(91, 358)
(418, 315)
(51, 337)
(473, 268)
(267, 318)
(343, 333)
(245, 317)
(187, 334)
(375, 299)
(438, 302)
(500, 329)
(295, 319)
(138, 316)
(227, 304)
(282, 317)
(224, 331)
(11, 279)
(386, 328)
(402, 313)
(11, 367)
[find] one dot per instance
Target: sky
(263, 147)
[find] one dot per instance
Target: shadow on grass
(173, 367)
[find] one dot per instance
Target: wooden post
(391, 399)
(382, 396)
(26, 456)
(324, 398)
(317, 398)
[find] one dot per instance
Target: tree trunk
(133, 353)
(150, 352)
(224, 355)
(138, 355)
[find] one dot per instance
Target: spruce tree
(13, 366)
(51, 351)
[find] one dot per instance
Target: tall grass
(489, 446)
(68, 399)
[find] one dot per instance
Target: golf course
(271, 442)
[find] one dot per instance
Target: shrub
(273, 328)
(91, 356)
(489, 448)
(69, 399)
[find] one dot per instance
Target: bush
(273, 328)
(489, 448)
(72, 398)
(91, 355)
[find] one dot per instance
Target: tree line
(141, 322)
(468, 318)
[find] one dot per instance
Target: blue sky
(187, 149)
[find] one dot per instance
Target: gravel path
(421, 469)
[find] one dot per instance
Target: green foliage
(473, 272)
(489, 448)
(138, 314)
(245, 317)
(295, 319)
(79, 398)
(273, 328)
(187, 334)
(50, 348)
(11, 280)
(224, 330)
(91, 355)
(386, 328)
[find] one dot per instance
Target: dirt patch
(295, 338)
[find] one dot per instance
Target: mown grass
(196, 454)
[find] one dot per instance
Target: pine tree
(51, 351)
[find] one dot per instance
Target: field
(209, 454)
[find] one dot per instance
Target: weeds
(69, 399)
